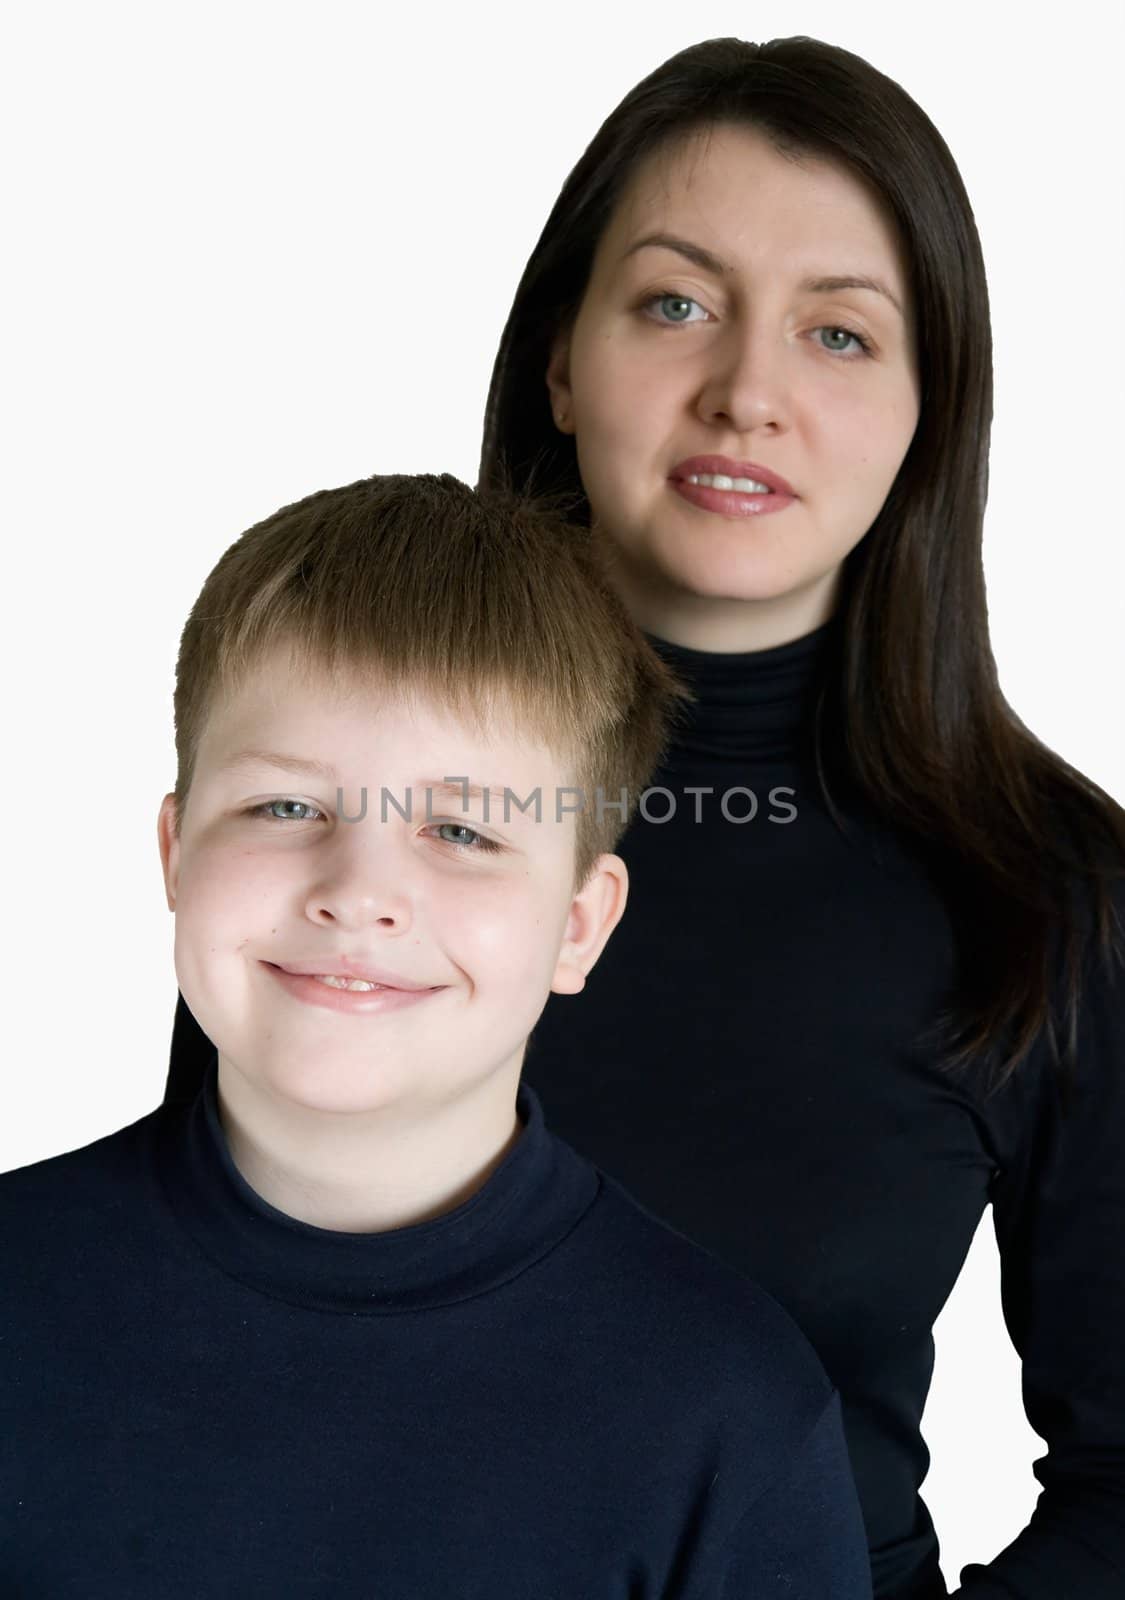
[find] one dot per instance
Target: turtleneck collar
(533, 1198)
(749, 703)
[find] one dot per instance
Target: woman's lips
(729, 501)
(354, 1002)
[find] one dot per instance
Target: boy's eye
(471, 841)
(285, 811)
(464, 838)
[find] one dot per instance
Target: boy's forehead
(318, 716)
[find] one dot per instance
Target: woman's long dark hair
(1024, 849)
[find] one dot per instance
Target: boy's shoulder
(661, 1304)
(715, 1331)
(95, 1181)
(106, 1158)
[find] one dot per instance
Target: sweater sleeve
(1059, 1214)
(803, 1539)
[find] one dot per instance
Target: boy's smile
(349, 994)
(289, 885)
(351, 985)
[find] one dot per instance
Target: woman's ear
(558, 381)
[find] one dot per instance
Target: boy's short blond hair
(485, 603)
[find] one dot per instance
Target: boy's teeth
(346, 983)
(719, 480)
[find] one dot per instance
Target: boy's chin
(320, 1083)
(317, 1083)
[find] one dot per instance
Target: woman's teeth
(346, 983)
(719, 480)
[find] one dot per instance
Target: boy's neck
(369, 1171)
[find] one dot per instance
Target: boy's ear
(594, 913)
(169, 848)
(558, 381)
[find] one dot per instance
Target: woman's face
(710, 328)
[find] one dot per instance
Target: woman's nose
(746, 384)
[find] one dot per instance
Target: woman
(874, 936)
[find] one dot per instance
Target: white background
(260, 249)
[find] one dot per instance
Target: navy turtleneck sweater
(544, 1394)
(742, 1061)
(762, 1092)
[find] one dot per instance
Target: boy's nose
(363, 885)
(353, 908)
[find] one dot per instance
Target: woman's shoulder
(1067, 1094)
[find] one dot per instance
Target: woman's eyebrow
(695, 253)
(821, 284)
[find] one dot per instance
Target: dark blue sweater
(766, 1096)
(545, 1394)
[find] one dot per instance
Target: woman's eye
(673, 308)
(285, 811)
(471, 841)
(864, 345)
(676, 309)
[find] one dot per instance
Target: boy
(354, 1323)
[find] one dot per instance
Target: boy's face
(267, 875)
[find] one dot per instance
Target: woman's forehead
(719, 175)
(727, 184)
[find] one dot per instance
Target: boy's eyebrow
(695, 253)
(457, 791)
(274, 758)
(321, 769)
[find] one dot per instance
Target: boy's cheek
(217, 911)
(230, 871)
